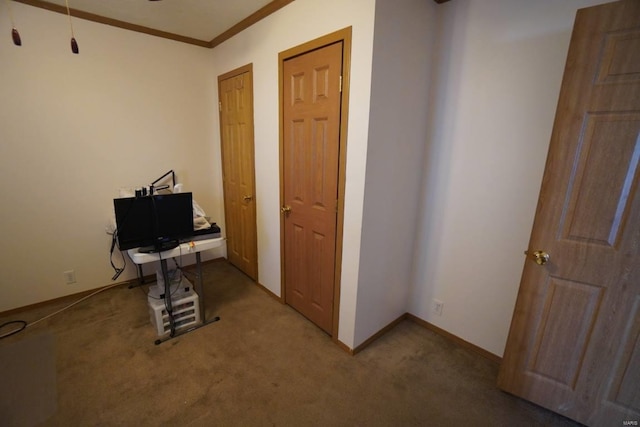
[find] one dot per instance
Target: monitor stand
(160, 247)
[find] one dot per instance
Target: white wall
(497, 79)
(402, 54)
(297, 23)
(76, 128)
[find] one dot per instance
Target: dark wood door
(311, 142)
(574, 343)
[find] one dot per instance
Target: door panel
(311, 142)
(624, 390)
(236, 124)
(596, 206)
(574, 345)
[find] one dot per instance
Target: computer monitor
(153, 223)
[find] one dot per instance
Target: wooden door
(311, 144)
(574, 343)
(235, 91)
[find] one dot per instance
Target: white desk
(184, 249)
(194, 247)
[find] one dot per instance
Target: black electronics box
(212, 232)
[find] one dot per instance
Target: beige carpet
(262, 364)
(27, 380)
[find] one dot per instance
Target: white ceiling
(202, 20)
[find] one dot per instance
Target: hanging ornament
(74, 43)
(15, 35)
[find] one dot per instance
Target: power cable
(25, 324)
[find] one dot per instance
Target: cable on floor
(23, 324)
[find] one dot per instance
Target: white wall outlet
(70, 277)
(437, 307)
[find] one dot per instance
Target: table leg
(167, 294)
(200, 288)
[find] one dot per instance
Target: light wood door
(235, 91)
(311, 144)
(574, 343)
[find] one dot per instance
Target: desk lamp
(153, 188)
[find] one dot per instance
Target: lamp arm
(173, 178)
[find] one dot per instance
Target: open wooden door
(574, 343)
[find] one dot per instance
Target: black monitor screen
(153, 221)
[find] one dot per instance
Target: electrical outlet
(437, 307)
(70, 276)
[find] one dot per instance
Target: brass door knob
(247, 198)
(285, 209)
(540, 257)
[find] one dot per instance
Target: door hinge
(340, 84)
(220, 106)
